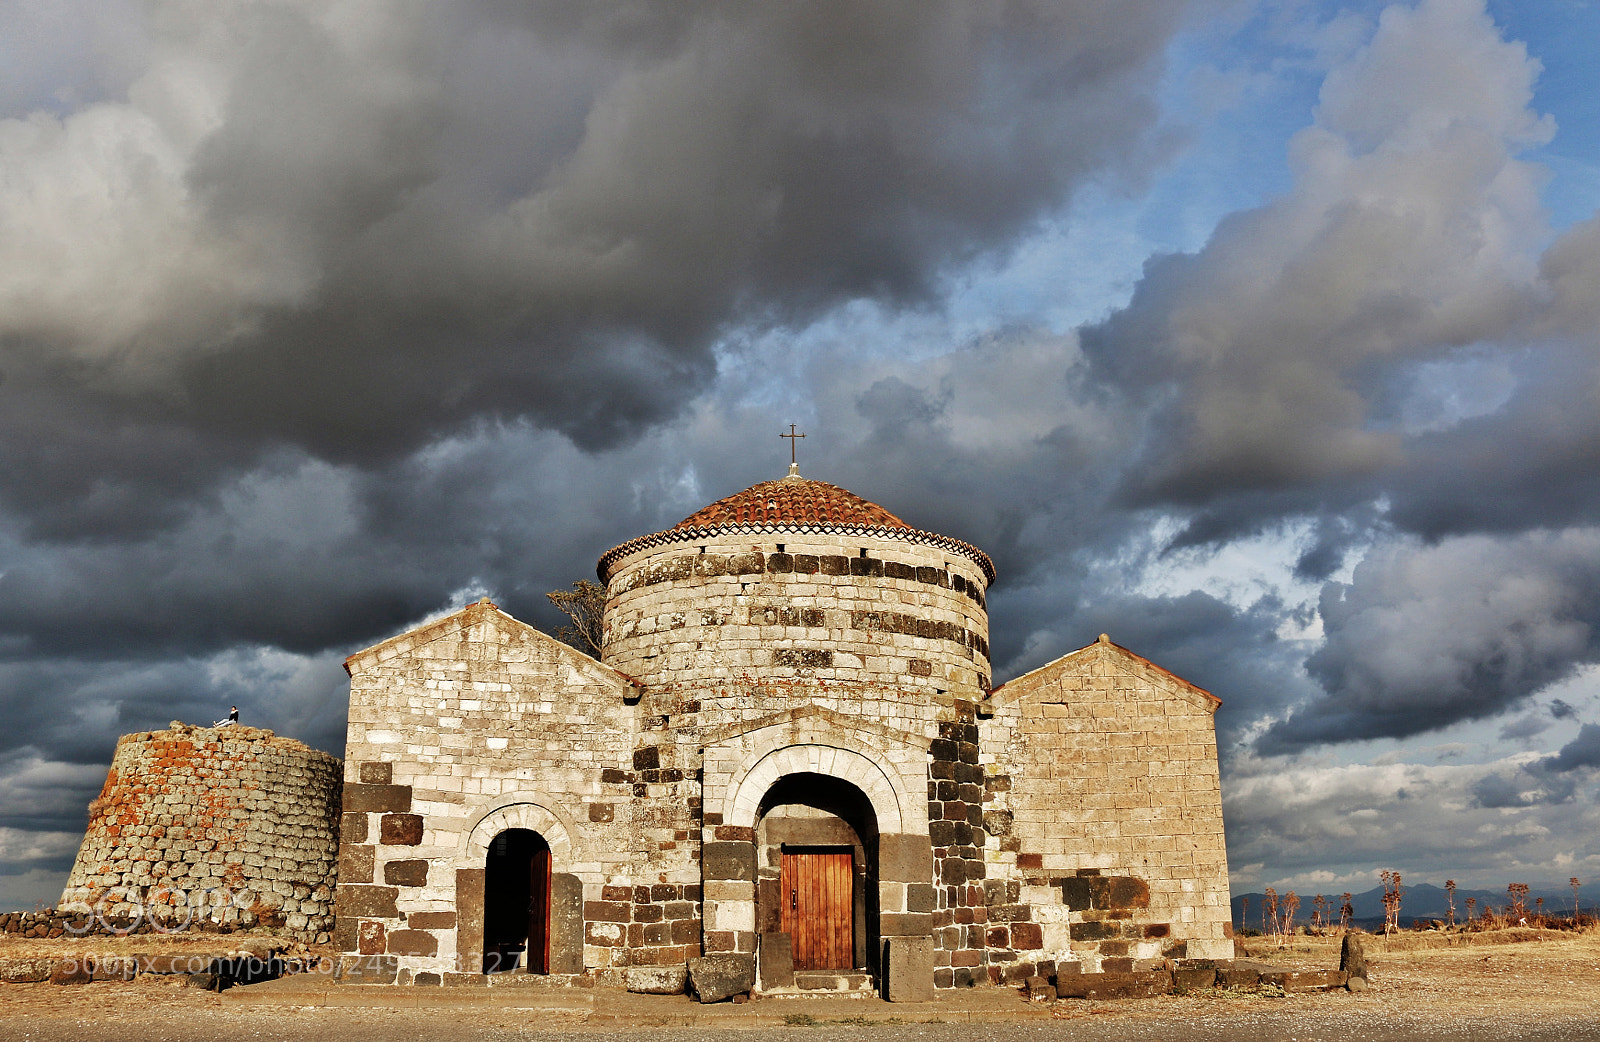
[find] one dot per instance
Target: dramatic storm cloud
(1262, 335)
(352, 226)
(1425, 636)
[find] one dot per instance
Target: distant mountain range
(1423, 901)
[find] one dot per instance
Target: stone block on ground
(908, 969)
(115, 968)
(776, 964)
(26, 971)
(71, 971)
(169, 964)
(1194, 978)
(656, 980)
(713, 978)
(1135, 985)
(1242, 973)
(1306, 980)
(1038, 989)
(1353, 956)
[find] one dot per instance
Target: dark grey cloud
(1425, 636)
(1582, 752)
(1548, 780)
(1384, 356)
(1527, 726)
(1495, 791)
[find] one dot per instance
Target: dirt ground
(1539, 989)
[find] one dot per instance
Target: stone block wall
(1104, 813)
(229, 824)
(957, 832)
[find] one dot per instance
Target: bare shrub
(1291, 904)
(1391, 901)
(1519, 901)
(585, 605)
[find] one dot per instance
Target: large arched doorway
(816, 839)
(516, 903)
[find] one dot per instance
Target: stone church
(787, 770)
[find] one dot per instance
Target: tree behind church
(585, 605)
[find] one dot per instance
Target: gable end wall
(1105, 811)
(458, 722)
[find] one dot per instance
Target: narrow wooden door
(539, 912)
(817, 888)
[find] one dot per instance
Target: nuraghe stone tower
(229, 826)
(788, 769)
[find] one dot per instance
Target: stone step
(832, 980)
(523, 979)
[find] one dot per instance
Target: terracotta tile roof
(794, 504)
(793, 500)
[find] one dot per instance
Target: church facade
(788, 769)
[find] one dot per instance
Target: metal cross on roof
(794, 467)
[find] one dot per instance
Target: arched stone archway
(519, 813)
(900, 862)
(564, 916)
(743, 800)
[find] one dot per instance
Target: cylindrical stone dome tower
(798, 584)
(228, 824)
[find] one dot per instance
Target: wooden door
(817, 888)
(539, 912)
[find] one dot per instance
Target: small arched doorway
(516, 903)
(816, 837)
